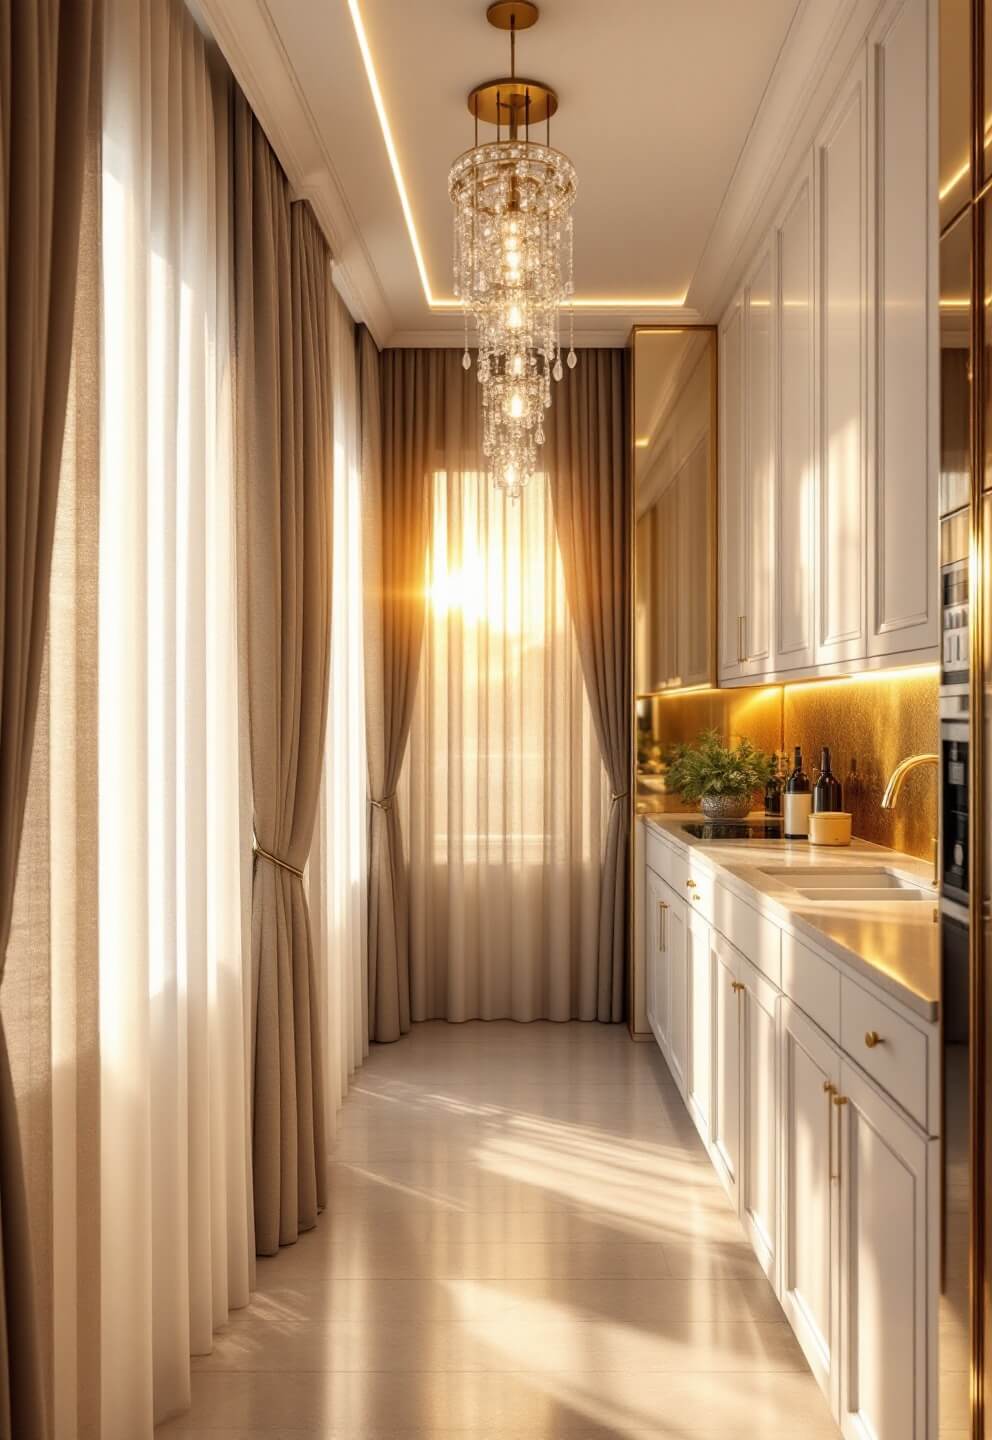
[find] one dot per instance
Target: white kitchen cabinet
(759, 470)
(656, 924)
(795, 487)
(840, 158)
(675, 947)
(810, 1235)
(902, 373)
(699, 1011)
(725, 1125)
(732, 600)
(759, 1090)
(886, 1366)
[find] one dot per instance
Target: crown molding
(250, 42)
(817, 50)
(613, 331)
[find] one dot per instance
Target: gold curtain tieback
(618, 795)
(274, 859)
(386, 803)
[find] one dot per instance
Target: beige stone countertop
(894, 943)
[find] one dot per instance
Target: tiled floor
(525, 1240)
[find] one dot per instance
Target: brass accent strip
(829, 1089)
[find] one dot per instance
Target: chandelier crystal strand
(512, 200)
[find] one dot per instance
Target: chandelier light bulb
(515, 319)
(516, 405)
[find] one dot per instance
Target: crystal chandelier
(513, 257)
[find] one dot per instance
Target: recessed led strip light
(634, 303)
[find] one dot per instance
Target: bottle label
(797, 808)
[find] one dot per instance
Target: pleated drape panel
(588, 464)
(45, 77)
(285, 449)
(173, 960)
(403, 415)
(337, 871)
(504, 796)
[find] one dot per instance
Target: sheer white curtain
(503, 783)
(174, 1189)
(337, 871)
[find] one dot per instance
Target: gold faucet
(895, 785)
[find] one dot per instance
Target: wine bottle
(773, 789)
(798, 800)
(826, 791)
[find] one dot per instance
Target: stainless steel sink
(861, 893)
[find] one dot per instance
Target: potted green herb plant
(722, 778)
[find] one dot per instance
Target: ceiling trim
(612, 330)
(817, 50)
(605, 304)
(250, 41)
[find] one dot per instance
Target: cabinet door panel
(759, 470)
(656, 925)
(796, 475)
(677, 992)
(731, 490)
(810, 1234)
(760, 1109)
(699, 1060)
(726, 1130)
(885, 1370)
(694, 561)
(903, 241)
(841, 518)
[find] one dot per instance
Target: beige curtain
(504, 786)
(589, 471)
(285, 463)
(404, 411)
(45, 78)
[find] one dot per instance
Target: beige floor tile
(525, 1240)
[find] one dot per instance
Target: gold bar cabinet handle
(838, 1101)
(829, 1089)
(872, 1038)
(741, 653)
(662, 926)
(737, 986)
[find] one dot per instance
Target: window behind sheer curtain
(505, 795)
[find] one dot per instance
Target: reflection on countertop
(894, 942)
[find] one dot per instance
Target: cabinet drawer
(665, 861)
(812, 983)
(898, 1058)
(760, 940)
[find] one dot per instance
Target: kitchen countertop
(893, 943)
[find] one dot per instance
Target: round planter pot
(726, 807)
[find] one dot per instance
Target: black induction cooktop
(736, 830)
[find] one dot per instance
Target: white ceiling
(660, 102)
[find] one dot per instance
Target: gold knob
(737, 986)
(690, 884)
(829, 1088)
(840, 1099)
(872, 1038)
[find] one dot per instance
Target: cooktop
(736, 830)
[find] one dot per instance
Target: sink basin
(871, 883)
(862, 893)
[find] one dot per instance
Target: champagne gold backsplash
(873, 721)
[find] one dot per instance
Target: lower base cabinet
(884, 1282)
(835, 1185)
(759, 1002)
(810, 1203)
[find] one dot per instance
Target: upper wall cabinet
(840, 160)
(829, 388)
(904, 360)
(674, 497)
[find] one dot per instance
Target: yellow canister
(830, 827)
